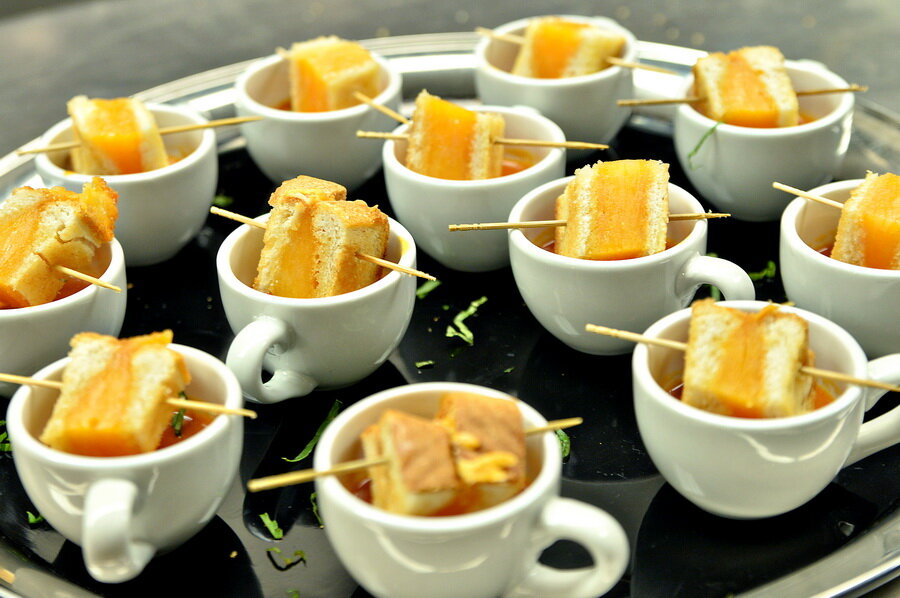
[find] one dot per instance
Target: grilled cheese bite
(868, 232)
(447, 141)
(614, 211)
(749, 87)
(312, 237)
(117, 136)
(325, 73)
(113, 400)
(555, 48)
(44, 228)
(747, 364)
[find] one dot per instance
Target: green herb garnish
(222, 201)
(288, 562)
(426, 287)
(5, 446)
(565, 443)
(461, 330)
(293, 593)
(178, 422)
(272, 526)
(332, 413)
(315, 509)
(767, 272)
(425, 364)
(700, 143)
(509, 369)
(32, 518)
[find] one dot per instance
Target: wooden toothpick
(380, 107)
(691, 99)
(175, 402)
(369, 258)
(165, 131)
(680, 346)
(500, 140)
(87, 278)
(808, 195)
(544, 223)
(308, 475)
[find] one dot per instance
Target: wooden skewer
(369, 258)
(808, 195)
(380, 107)
(88, 278)
(680, 346)
(543, 223)
(500, 140)
(307, 475)
(166, 131)
(180, 403)
(519, 40)
(690, 99)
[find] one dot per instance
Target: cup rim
(390, 160)
(629, 54)
(207, 145)
(391, 90)
(227, 275)
(524, 244)
(24, 440)
(551, 467)
(851, 394)
(791, 216)
(116, 265)
(844, 107)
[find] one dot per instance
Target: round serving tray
(844, 542)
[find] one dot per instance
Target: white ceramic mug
(320, 144)
(122, 510)
(565, 293)
(427, 205)
(161, 210)
(864, 301)
(584, 107)
(733, 168)
(325, 342)
(487, 553)
(751, 468)
(31, 337)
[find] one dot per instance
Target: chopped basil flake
(178, 422)
(425, 364)
(767, 272)
(565, 443)
(509, 369)
(332, 413)
(693, 152)
(222, 201)
(5, 446)
(272, 526)
(32, 518)
(426, 287)
(461, 330)
(315, 509)
(293, 593)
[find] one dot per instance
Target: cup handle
(883, 431)
(111, 554)
(727, 276)
(245, 359)
(595, 530)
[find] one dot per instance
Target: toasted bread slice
(420, 478)
(868, 232)
(113, 401)
(44, 228)
(747, 364)
(614, 211)
(488, 441)
(326, 72)
(447, 141)
(555, 48)
(749, 87)
(117, 136)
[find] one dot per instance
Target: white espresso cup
(487, 553)
(326, 342)
(864, 301)
(32, 337)
(160, 210)
(733, 167)
(123, 510)
(428, 205)
(565, 293)
(751, 468)
(584, 107)
(320, 144)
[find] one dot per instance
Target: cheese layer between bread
(614, 211)
(555, 48)
(447, 141)
(326, 72)
(113, 400)
(868, 232)
(44, 228)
